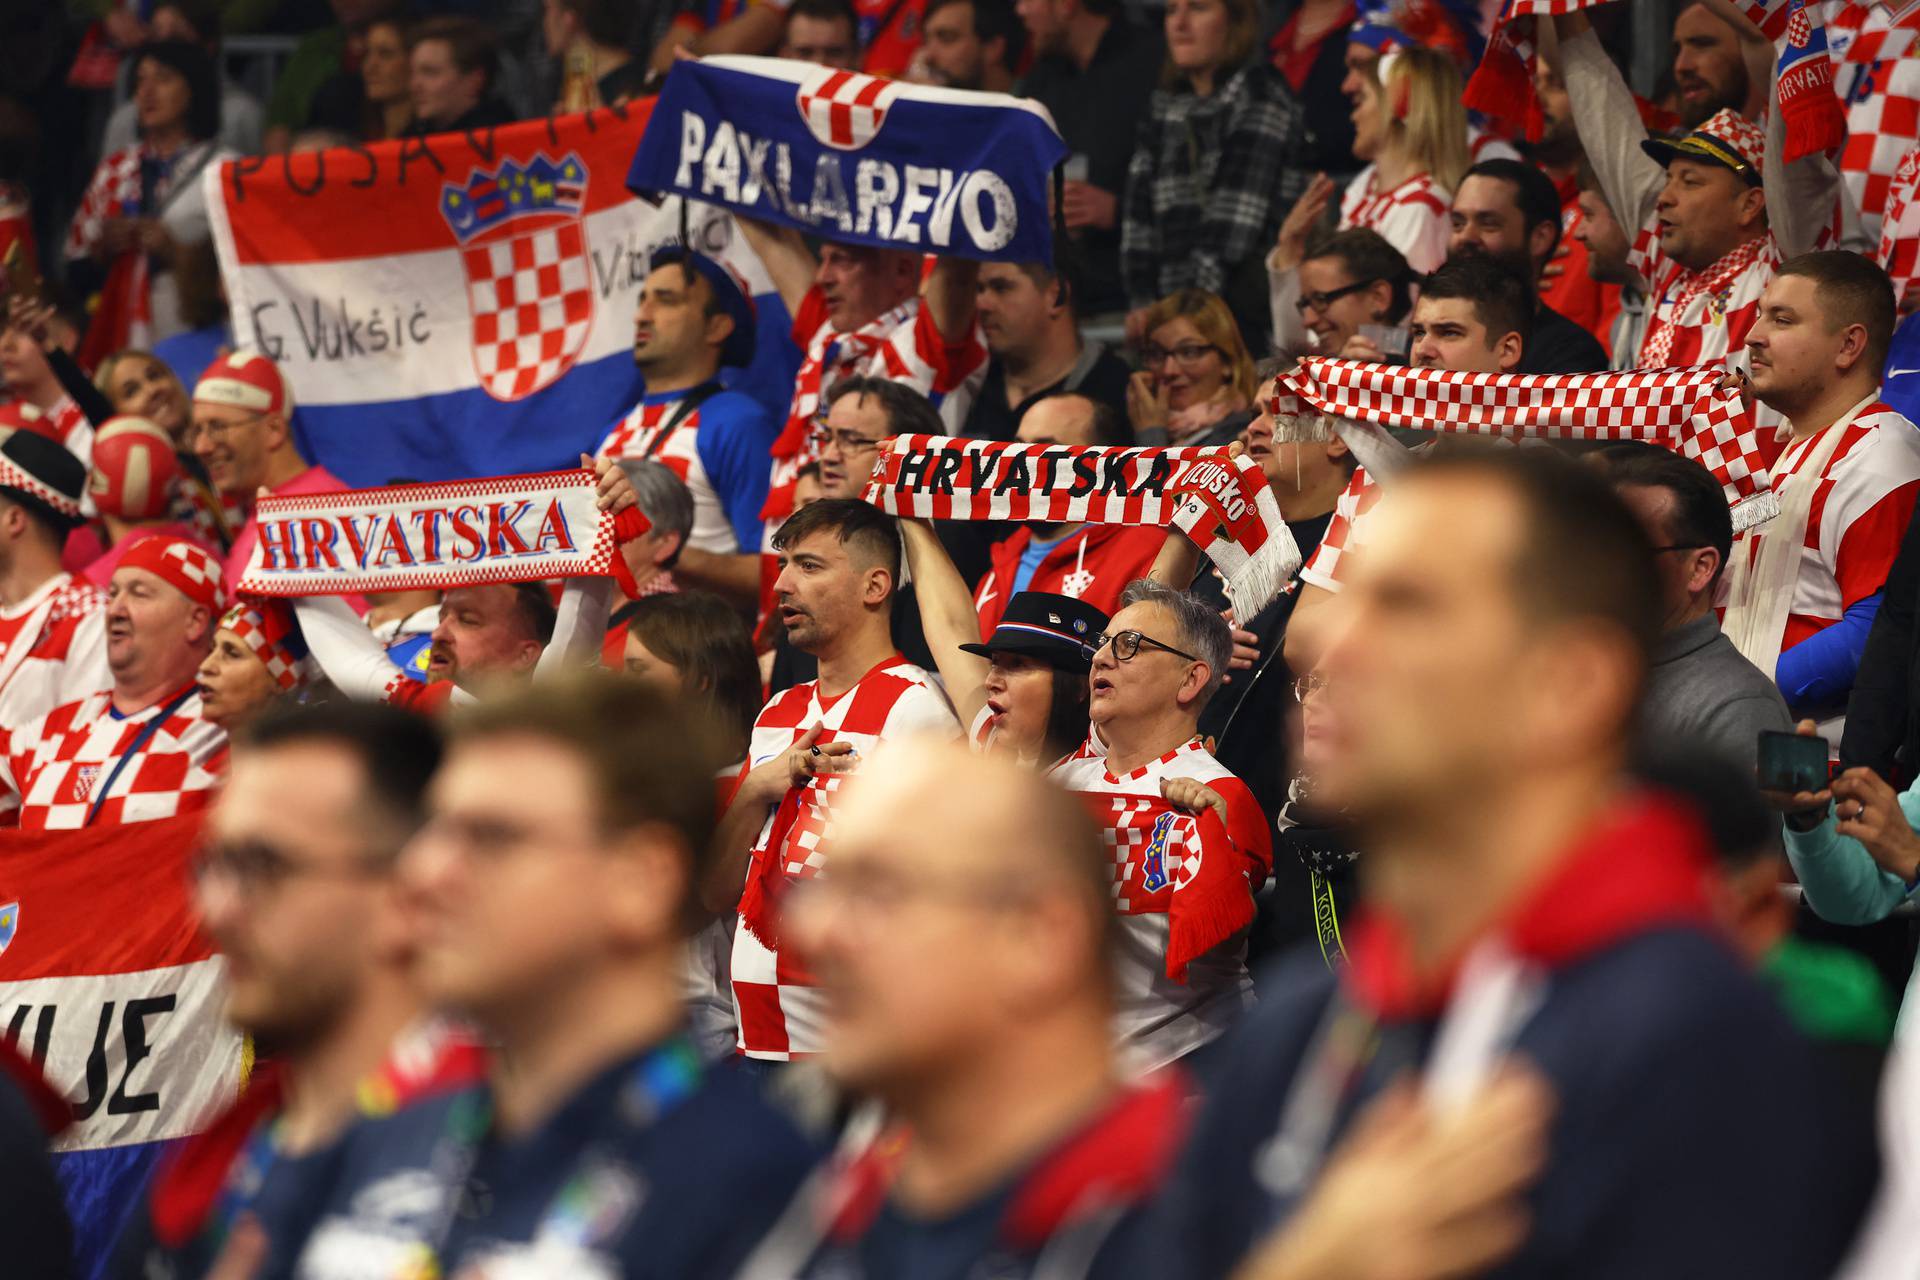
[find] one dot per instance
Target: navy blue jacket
(1692, 1136)
(608, 1186)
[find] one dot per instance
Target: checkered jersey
(1877, 79)
(53, 649)
(779, 1011)
(719, 451)
(1413, 217)
(1701, 317)
(903, 345)
(1862, 503)
(1156, 857)
(49, 767)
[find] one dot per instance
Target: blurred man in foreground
(296, 887)
(1024, 1138)
(553, 894)
(1490, 652)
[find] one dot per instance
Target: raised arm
(948, 618)
(579, 625)
(353, 659)
(1608, 122)
(784, 253)
(949, 297)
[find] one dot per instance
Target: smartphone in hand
(1790, 762)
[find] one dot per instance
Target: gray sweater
(1702, 692)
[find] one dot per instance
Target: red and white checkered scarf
(1681, 409)
(1222, 503)
(1657, 349)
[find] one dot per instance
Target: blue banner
(854, 158)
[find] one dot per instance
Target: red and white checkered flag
(1683, 409)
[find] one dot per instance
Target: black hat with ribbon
(1059, 630)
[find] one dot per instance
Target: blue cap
(729, 290)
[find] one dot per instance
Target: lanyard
(140, 740)
(1343, 1045)
(688, 403)
(655, 1085)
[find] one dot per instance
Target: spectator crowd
(1521, 890)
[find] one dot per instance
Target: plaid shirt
(1209, 184)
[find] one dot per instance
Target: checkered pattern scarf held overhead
(1681, 409)
(1221, 502)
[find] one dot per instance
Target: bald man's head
(966, 899)
(1063, 419)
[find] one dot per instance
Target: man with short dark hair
(1094, 70)
(1567, 284)
(452, 63)
(1805, 586)
(1480, 702)
(967, 44)
(1184, 875)
(1035, 349)
(1700, 692)
(694, 318)
(1710, 72)
(822, 31)
(296, 887)
(1509, 210)
(862, 411)
(839, 563)
(552, 889)
(1474, 315)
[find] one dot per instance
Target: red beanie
(182, 565)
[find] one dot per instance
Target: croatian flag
(107, 984)
(462, 305)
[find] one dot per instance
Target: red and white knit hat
(187, 568)
(247, 380)
(134, 469)
(272, 634)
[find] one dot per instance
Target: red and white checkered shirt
(50, 767)
(53, 649)
(1877, 78)
(1413, 217)
(1701, 317)
(1156, 855)
(1862, 503)
(773, 993)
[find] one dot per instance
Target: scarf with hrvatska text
(1502, 85)
(1683, 409)
(1221, 502)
